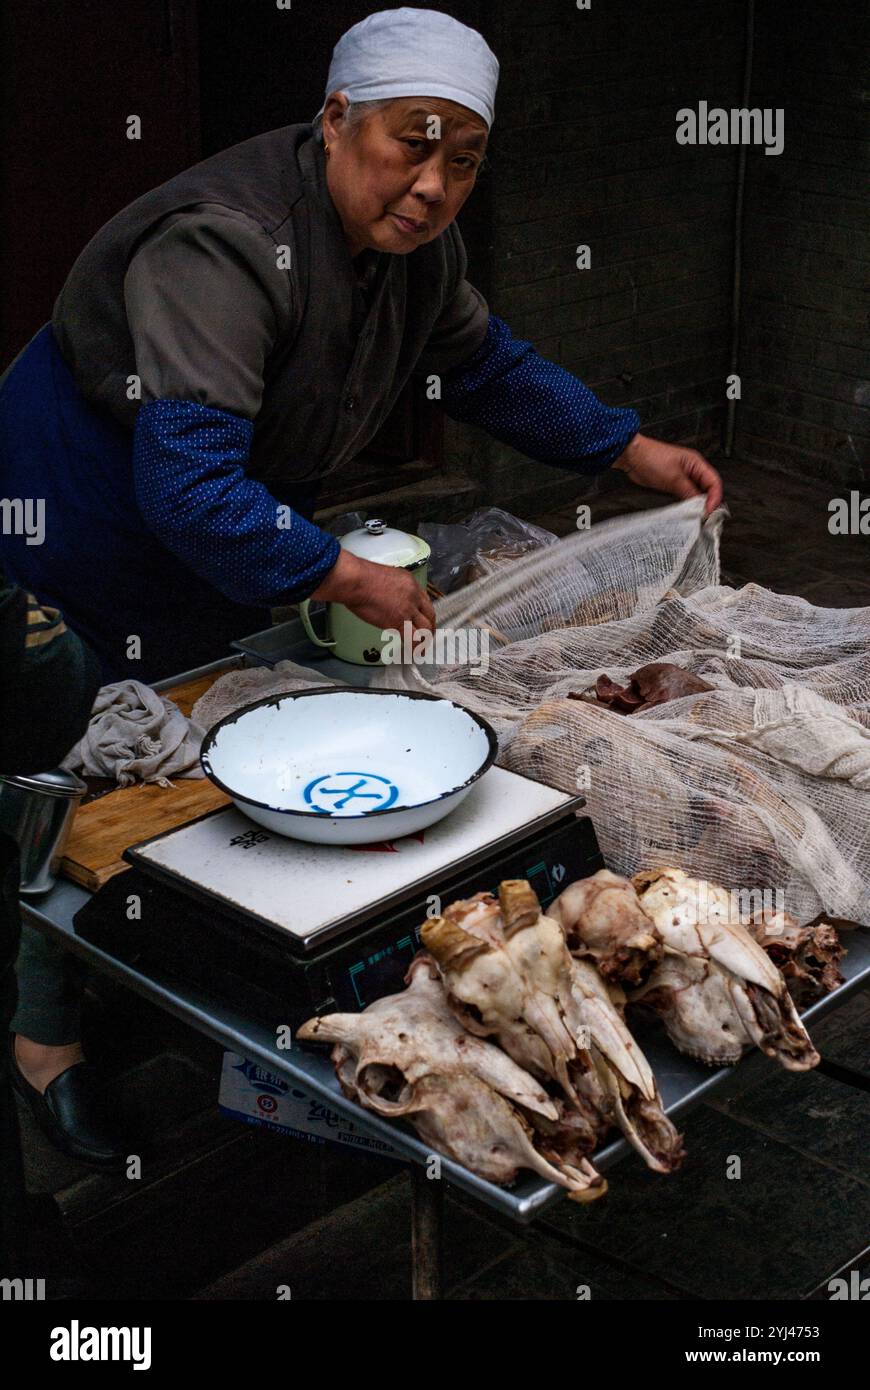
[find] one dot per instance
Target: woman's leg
(47, 1021)
(65, 1095)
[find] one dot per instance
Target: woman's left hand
(671, 468)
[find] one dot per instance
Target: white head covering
(408, 53)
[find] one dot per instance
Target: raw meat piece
(650, 685)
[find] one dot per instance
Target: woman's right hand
(382, 595)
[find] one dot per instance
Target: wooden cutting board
(105, 827)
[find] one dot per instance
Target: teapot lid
(386, 545)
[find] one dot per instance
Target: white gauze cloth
(408, 53)
(135, 735)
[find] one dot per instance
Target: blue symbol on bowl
(335, 790)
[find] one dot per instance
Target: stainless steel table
(682, 1082)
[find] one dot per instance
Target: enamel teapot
(347, 636)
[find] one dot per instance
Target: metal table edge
(67, 897)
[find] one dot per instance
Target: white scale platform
(311, 890)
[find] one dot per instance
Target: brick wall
(804, 355)
(583, 151)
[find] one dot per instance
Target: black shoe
(73, 1114)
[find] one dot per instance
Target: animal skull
(509, 974)
(624, 1073)
(407, 1056)
(716, 989)
(603, 921)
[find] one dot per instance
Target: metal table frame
(682, 1082)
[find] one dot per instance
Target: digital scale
(289, 929)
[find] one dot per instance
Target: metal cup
(37, 812)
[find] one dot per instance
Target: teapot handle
(306, 623)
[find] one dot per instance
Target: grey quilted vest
(338, 365)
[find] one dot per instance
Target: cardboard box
(250, 1093)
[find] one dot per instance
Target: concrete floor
(224, 1211)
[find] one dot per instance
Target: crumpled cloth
(246, 685)
(135, 735)
(795, 725)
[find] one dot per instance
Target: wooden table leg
(427, 1205)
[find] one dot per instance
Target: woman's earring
(326, 149)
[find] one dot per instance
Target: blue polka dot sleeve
(507, 389)
(194, 495)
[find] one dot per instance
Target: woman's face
(390, 168)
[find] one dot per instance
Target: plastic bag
(346, 521)
(464, 551)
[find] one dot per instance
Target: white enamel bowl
(347, 766)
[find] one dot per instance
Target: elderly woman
(235, 334)
(242, 330)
